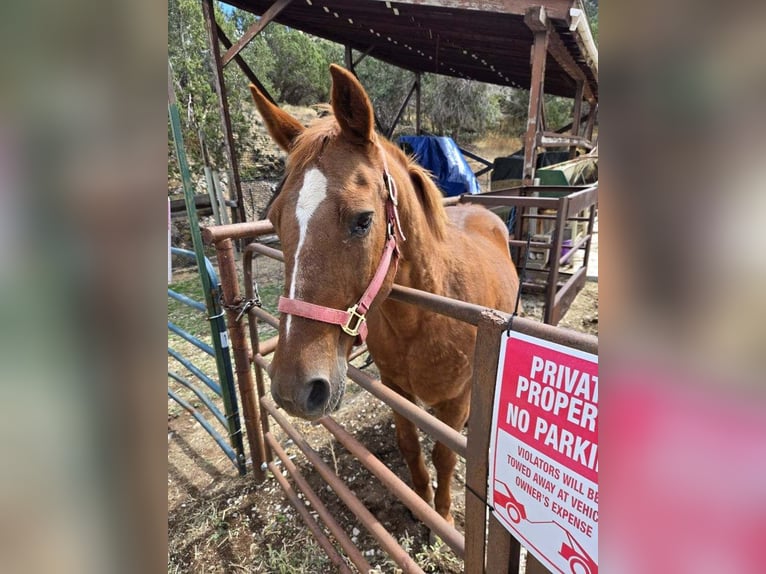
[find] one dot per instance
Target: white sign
(543, 459)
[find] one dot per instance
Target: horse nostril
(318, 395)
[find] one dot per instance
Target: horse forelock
(412, 179)
(307, 147)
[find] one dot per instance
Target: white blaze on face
(312, 193)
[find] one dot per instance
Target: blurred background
(83, 219)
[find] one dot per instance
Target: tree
(193, 73)
(458, 107)
(301, 77)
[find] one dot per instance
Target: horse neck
(424, 253)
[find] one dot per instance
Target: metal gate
(482, 530)
(222, 388)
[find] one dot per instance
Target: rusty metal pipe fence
(482, 530)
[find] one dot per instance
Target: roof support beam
(363, 55)
(556, 9)
(243, 66)
(238, 212)
(254, 30)
(576, 113)
(537, 22)
(406, 101)
(563, 57)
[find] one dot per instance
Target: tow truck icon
(577, 558)
(505, 499)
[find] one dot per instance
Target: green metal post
(215, 313)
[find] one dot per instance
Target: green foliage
(193, 75)
(459, 108)
(301, 77)
(386, 85)
(293, 66)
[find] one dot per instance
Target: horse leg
(409, 445)
(455, 414)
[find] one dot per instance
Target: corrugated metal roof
(486, 40)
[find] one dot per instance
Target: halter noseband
(353, 320)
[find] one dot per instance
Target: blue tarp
(442, 157)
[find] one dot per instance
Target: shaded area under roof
(487, 41)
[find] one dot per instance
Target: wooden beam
(539, 51)
(576, 113)
(563, 57)
(238, 212)
(243, 65)
(255, 29)
(536, 19)
(362, 56)
(398, 116)
(553, 139)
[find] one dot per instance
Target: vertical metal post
(576, 112)
(418, 127)
(252, 414)
(550, 315)
(589, 231)
(486, 356)
(539, 51)
(591, 121)
(348, 59)
(218, 330)
(238, 212)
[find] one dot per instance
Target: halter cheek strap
(353, 321)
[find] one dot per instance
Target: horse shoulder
(481, 268)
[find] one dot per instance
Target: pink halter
(353, 320)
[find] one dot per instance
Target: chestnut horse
(354, 215)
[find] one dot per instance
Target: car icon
(504, 498)
(578, 559)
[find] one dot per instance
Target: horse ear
(351, 106)
(282, 126)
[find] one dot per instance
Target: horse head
(337, 221)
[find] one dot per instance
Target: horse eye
(362, 224)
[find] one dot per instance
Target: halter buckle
(356, 318)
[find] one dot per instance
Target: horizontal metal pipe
(581, 200)
(470, 313)
(201, 396)
(423, 420)
(265, 316)
(522, 243)
(215, 387)
(465, 312)
(573, 249)
(550, 216)
(267, 347)
(372, 524)
(217, 233)
(187, 300)
(398, 488)
(191, 338)
(325, 515)
(228, 451)
(262, 249)
(361, 350)
(309, 521)
(511, 200)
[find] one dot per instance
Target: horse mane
(309, 144)
(426, 191)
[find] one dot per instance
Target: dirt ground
(221, 522)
